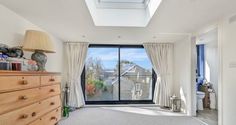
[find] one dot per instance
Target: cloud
(111, 54)
(134, 54)
(108, 54)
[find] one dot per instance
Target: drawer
(21, 116)
(52, 117)
(13, 100)
(37, 122)
(50, 104)
(50, 79)
(30, 113)
(49, 119)
(49, 91)
(9, 83)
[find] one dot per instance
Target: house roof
(127, 68)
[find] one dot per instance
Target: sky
(109, 56)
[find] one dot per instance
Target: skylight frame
(121, 5)
(119, 1)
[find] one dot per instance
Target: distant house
(135, 83)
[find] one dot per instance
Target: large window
(117, 74)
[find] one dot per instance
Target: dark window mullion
(119, 72)
(154, 78)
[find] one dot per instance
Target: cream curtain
(75, 57)
(161, 56)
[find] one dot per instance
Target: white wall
(193, 92)
(228, 71)
(182, 73)
(12, 29)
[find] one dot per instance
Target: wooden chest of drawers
(29, 98)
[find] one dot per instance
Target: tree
(94, 68)
(94, 77)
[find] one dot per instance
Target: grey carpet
(127, 116)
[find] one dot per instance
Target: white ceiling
(70, 20)
(209, 38)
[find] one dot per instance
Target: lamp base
(40, 58)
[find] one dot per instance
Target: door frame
(219, 27)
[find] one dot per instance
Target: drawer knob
(52, 90)
(24, 82)
(34, 114)
(24, 116)
(52, 103)
(54, 118)
(52, 80)
(23, 97)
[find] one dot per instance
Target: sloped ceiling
(71, 20)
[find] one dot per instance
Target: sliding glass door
(100, 74)
(117, 74)
(135, 75)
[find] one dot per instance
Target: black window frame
(119, 101)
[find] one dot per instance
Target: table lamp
(38, 42)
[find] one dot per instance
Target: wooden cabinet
(29, 98)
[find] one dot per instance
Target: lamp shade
(38, 40)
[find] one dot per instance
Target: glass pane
(101, 74)
(136, 74)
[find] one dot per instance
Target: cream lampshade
(38, 42)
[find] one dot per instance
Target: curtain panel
(161, 56)
(76, 53)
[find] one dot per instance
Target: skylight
(127, 13)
